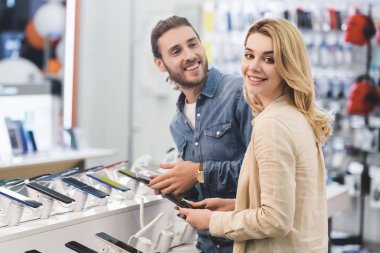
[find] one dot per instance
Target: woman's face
(259, 72)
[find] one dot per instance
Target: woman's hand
(197, 218)
(215, 204)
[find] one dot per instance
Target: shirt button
(199, 97)
(217, 133)
(218, 246)
(196, 144)
(198, 115)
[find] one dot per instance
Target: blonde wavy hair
(292, 63)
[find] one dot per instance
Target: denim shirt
(220, 137)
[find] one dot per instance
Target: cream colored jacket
(281, 197)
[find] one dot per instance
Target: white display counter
(118, 218)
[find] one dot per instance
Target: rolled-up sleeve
(274, 150)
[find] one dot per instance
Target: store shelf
(337, 199)
(48, 162)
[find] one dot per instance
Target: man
(212, 125)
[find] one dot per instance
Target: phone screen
(80, 248)
(50, 192)
(116, 242)
(131, 174)
(20, 198)
(84, 187)
(109, 182)
(177, 200)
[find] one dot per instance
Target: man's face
(183, 57)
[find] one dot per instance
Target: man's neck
(192, 94)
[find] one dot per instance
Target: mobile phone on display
(105, 180)
(84, 187)
(50, 192)
(141, 178)
(20, 198)
(80, 248)
(115, 242)
(177, 200)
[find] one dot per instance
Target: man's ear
(160, 64)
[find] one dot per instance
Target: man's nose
(189, 54)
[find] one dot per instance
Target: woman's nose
(255, 66)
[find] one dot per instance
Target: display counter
(27, 166)
(119, 218)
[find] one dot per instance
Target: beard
(179, 77)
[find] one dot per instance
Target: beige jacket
(281, 196)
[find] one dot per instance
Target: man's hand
(179, 178)
(215, 204)
(197, 218)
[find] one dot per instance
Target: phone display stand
(47, 205)
(13, 214)
(47, 202)
(80, 200)
(188, 235)
(164, 241)
(143, 244)
(127, 195)
(106, 189)
(104, 249)
(134, 185)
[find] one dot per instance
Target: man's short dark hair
(162, 27)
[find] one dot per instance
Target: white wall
(110, 77)
(103, 73)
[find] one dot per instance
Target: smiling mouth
(193, 66)
(255, 79)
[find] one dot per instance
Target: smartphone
(80, 248)
(20, 198)
(50, 192)
(131, 174)
(177, 200)
(84, 187)
(105, 180)
(115, 242)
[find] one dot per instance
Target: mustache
(191, 62)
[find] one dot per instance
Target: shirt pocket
(220, 142)
(219, 130)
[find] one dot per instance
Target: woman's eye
(249, 56)
(269, 60)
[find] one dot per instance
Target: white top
(189, 111)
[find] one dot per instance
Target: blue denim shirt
(219, 139)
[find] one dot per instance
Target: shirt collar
(208, 90)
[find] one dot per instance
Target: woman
(281, 202)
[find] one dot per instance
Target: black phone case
(84, 187)
(133, 175)
(117, 242)
(177, 200)
(80, 248)
(50, 192)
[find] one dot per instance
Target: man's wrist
(200, 174)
